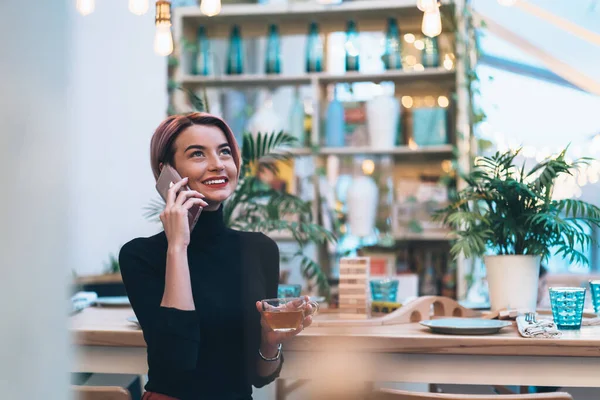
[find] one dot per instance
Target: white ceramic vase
(513, 281)
(383, 116)
(362, 200)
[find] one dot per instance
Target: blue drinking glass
(285, 291)
(595, 289)
(384, 289)
(567, 306)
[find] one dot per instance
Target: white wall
(119, 89)
(35, 142)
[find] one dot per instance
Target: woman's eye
(197, 154)
(226, 152)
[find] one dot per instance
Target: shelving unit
(436, 77)
(370, 15)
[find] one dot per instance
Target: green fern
(506, 210)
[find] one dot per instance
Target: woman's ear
(160, 167)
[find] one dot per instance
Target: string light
(163, 39)
(210, 8)
(85, 7)
(139, 7)
(432, 22)
(426, 5)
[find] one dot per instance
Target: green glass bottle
(314, 50)
(430, 55)
(351, 46)
(273, 54)
(203, 60)
(392, 57)
(235, 56)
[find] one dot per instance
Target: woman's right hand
(175, 215)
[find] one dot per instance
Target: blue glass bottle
(203, 60)
(273, 54)
(297, 119)
(351, 46)
(430, 55)
(235, 58)
(314, 50)
(335, 127)
(392, 57)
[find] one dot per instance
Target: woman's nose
(216, 164)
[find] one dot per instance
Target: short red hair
(162, 149)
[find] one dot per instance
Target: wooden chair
(391, 394)
(100, 393)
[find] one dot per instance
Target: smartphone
(167, 178)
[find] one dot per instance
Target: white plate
(113, 301)
(465, 326)
(134, 320)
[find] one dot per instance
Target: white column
(35, 157)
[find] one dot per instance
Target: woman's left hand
(271, 339)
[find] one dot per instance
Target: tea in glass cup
(286, 315)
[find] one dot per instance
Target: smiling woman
(197, 294)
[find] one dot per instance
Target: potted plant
(509, 216)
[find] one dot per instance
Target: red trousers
(156, 396)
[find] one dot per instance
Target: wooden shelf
(440, 151)
(246, 80)
(428, 77)
(433, 236)
(294, 17)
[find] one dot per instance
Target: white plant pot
(362, 197)
(513, 281)
(383, 116)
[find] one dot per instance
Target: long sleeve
(172, 335)
(270, 255)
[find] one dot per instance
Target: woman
(196, 294)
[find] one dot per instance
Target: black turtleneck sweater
(211, 352)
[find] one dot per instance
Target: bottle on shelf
(430, 55)
(352, 48)
(273, 54)
(392, 57)
(297, 118)
(335, 128)
(314, 49)
(203, 61)
(235, 56)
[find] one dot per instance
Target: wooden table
(107, 342)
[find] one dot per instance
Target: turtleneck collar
(209, 224)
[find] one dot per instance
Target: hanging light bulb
(432, 22)
(139, 7)
(210, 8)
(426, 5)
(507, 3)
(85, 7)
(163, 40)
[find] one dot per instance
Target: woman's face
(203, 155)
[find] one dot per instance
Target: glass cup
(287, 314)
(285, 291)
(384, 289)
(567, 306)
(595, 289)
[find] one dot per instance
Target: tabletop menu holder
(422, 308)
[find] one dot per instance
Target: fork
(530, 317)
